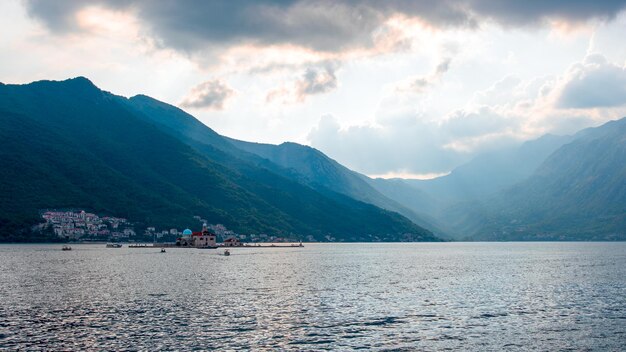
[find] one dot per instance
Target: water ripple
(430, 297)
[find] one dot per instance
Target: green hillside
(69, 144)
(299, 163)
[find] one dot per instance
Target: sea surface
(405, 296)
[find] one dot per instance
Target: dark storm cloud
(512, 12)
(322, 25)
(59, 16)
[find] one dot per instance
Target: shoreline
(262, 244)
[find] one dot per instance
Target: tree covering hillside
(69, 144)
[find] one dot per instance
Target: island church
(197, 239)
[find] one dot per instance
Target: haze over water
(427, 296)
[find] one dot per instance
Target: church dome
(187, 232)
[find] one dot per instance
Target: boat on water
(162, 250)
(226, 252)
(141, 245)
(114, 245)
(66, 248)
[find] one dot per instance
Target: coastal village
(79, 225)
(76, 225)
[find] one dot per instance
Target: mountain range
(551, 188)
(69, 144)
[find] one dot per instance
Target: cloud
(318, 79)
(208, 95)
(595, 82)
(483, 121)
(321, 25)
(413, 139)
(414, 143)
(422, 83)
(523, 13)
(503, 91)
(443, 66)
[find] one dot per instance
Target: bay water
(371, 296)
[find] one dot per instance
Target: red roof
(202, 233)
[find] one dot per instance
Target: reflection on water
(477, 296)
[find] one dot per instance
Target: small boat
(114, 245)
(140, 245)
(66, 248)
(226, 252)
(162, 250)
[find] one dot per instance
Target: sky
(388, 88)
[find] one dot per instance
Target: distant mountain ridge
(551, 188)
(577, 193)
(491, 172)
(481, 177)
(69, 144)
